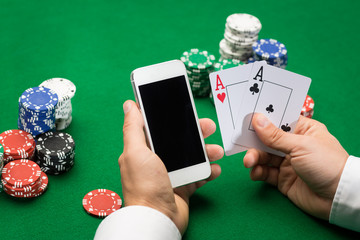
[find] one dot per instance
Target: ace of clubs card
(274, 92)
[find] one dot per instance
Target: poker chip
(55, 152)
(241, 32)
(65, 89)
(35, 190)
(199, 64)
(20, 173)
(272, 51)
(308, 107)
(101, 202)
(37, 110)
(198, 59)
(17, 144)
(227, 63)
(1, 162)
(243, 23)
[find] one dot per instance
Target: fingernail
(262, 121)
(127, 107)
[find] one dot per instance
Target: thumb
(133, 126)
(272, 136)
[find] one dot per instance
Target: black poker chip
(55, 152)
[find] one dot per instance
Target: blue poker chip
(267, 49)
(37, 110)
(38, 99)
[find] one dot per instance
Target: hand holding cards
(242, 91)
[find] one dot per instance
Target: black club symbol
(254, 88)
(270, 108)
(286, 128)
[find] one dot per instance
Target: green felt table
(97, 43)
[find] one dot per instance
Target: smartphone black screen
(172, 124)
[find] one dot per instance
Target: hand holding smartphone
(171, 122)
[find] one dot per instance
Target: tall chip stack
(17, 144)
(37, 110)
(199, 64)
(241, 32)
(55, 152)
(65, 90)
(272, 51)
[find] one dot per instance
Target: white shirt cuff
(137, 222)
(345, 210)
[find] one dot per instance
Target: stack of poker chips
(199, 64)
(55, 152)
(308, 107)
(272, 51)
(223, 64)
(1, 162)
(17, 144)
(65, 90)
(23, 179)
(241, 31)
(37, 110)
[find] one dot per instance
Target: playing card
(274, 92)
(227, 88)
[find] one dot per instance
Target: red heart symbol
(221, 97)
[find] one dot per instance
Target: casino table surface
(97, 43)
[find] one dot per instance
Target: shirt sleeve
(137, 222)
(345, 210)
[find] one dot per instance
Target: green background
(96, 44)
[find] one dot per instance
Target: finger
(265, 173)
(133, 126)
(309, 126)
(214, 152)
(273, 136)
(254, 157)
(208, 127)
(215, 173)
(186, 191)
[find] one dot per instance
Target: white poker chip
(65, 89)
(244, 23)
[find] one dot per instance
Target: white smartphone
(171, 122)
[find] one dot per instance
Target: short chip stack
(23, 179)
(308, 107)
(65, 90)
(17, 144)
(241, 31)
(272, 51)
(199, 64)
(55, 152)
(37, 110)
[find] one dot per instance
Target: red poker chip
(26, 189)
(308, 104)
(44, 185)
(35, 192)
(17, 143)
(21, 173)
(101, 202)
(29, 155)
